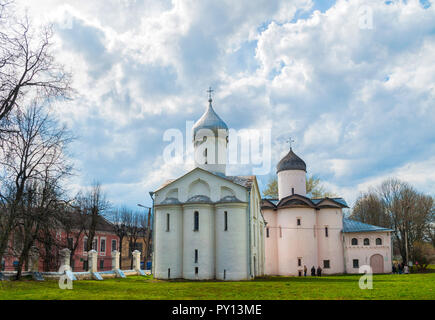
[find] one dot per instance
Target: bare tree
(94, 206)
(135, 231)
(397, 205)
(120, 219)
(145, 222)
(32, 161)
(28, 71)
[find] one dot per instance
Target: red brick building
(105, 241)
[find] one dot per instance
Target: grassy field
(391, 287)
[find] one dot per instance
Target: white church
(212, 226)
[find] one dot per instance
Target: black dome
(291, 162)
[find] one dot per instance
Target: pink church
(313, 232)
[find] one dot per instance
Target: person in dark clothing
(305, 271)
(313, 271)
(394, 269)
(319, 271)
(400, 268)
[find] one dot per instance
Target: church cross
(290, 142)
(210, 92)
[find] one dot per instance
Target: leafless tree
(32, 164)
(28, 70)
(397, 205)
(120, 219)
(135, 231)
(145, 222)
(93, 205)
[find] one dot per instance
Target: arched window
(354, 241)
(379, 242)
(366, 241)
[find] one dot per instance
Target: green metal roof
(356, 226)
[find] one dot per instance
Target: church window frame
(299, 262)
(196, 255)
(299, 222)
(326, 264)
(354, 241)
(168, 222)
(267, 232)
(355, 263)
(196, 221)
(226, 221)
(379, 241)
(366, 241)
(326, 232)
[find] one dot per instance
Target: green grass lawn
(413, 286)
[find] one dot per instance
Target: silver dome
(211, 121)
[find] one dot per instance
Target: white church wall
(330, 246)
(215, 183)
(169, 243)
(289, 180)
(363, 253)
(294, 242)
(257, 236)
(202, 240)
(232, 244)
(211, 152)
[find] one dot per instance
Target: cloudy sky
(356, 94)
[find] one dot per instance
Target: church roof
(211, 121)
(356, 226)
(316, 203)
(291, 162)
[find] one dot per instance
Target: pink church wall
(330, 247)
(296, 241)
(271, 253)
(363, 253)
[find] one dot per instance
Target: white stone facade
(228, 241)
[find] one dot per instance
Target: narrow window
(293, 191)
(326, 232)
(299, 222)
(326, 264)
(267, 233)
(101, 265)
(299, 262)
(379, 242)
(366, 242)
(168, 222)
(356, 263)
(169, 273)
(103, 246)
(280, 232)
(225, 274)
(226, 221)
(206, 156)
(354, 241)
(196, 256)
(196, 271)
(95, 244)
(85, 244)
(196, 221)
(114, 246)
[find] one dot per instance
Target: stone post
(34, 260)
(115, 260)
(65, 255)
(136, 260)
(92, 261)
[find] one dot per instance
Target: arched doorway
(377, 263)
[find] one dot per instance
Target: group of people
(400, 268)
(314, 272)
